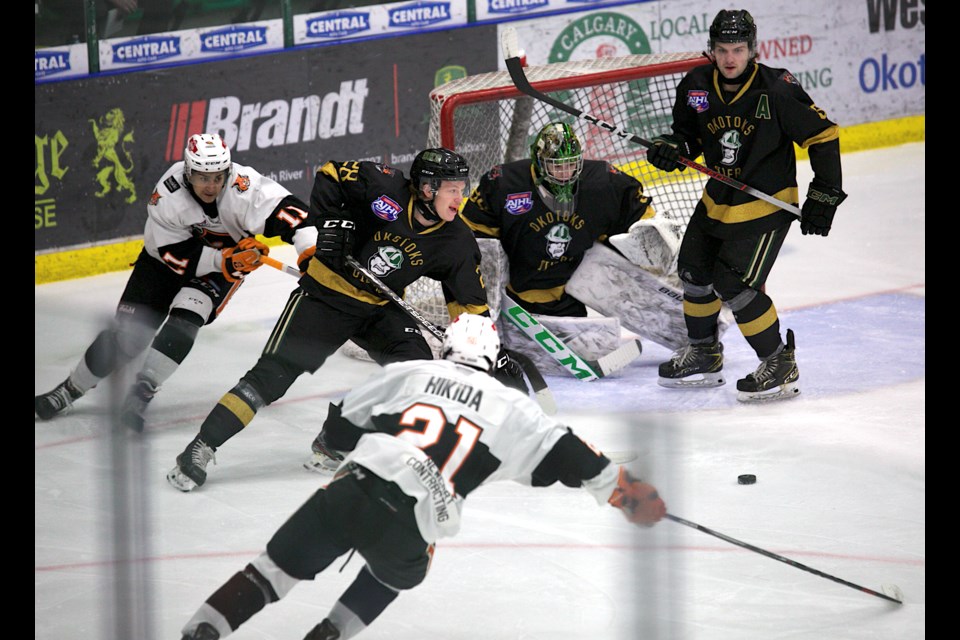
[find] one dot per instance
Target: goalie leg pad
(647, 304)
(590, 338)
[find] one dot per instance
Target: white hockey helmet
(472, 340)
(206, 153)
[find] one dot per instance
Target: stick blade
(892, 591)
(619, 358)
(621, 457)
(510, 44)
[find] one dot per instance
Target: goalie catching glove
(819, 208)
(639, 501)
(236, 262)
(665, 153)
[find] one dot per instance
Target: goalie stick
(512, 57)
(581, 368)
(540, 388)
(892, 588)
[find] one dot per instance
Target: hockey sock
(243, 595)
(234, 411)
(170, 346)
(364, 600)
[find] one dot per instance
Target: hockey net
(487, 120)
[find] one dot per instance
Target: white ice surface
(840, 490)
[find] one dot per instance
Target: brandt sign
(274, 123)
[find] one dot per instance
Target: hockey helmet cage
(433, 166)
(472, 340)
(733, 25)
(206, 153)
(557, 159)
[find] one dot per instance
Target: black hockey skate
(324, 459)
(204, 631)
(57, 401)
(135, 404)
(323, 631)
(776, 377)
(191, 469)
(695, 365)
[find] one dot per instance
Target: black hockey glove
(819, 207)
(665, 153)
(335, 241)
(509, 372)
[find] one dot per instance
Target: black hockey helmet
(733, 25)
(433, 166)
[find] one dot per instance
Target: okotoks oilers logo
(387, 258)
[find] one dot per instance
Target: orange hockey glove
(304, 260)
(238, 261)
(638, 500)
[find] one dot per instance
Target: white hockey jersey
(247, 201)
(439, 430)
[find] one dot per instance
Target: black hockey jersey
(749, 136)
(389, 242)
(544, 247)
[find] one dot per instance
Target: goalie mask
(472, 340)
(432, 167)
(205, 153)
(557, 162)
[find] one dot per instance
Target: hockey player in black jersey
(548, 217)
(420, 437)
(401, 230)
(199, 244)
(745, 118)
(547, 211)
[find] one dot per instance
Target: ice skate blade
(321, 464)
(179, 481)
(784, 392)
(704, 381)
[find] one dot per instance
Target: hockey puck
(747, 478)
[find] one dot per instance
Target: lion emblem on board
(109, 133)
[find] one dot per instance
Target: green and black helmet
(557, 160)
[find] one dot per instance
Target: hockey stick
(581, 368)
(276, 264)
(893, 588)
(540, 388)
(512, 55)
